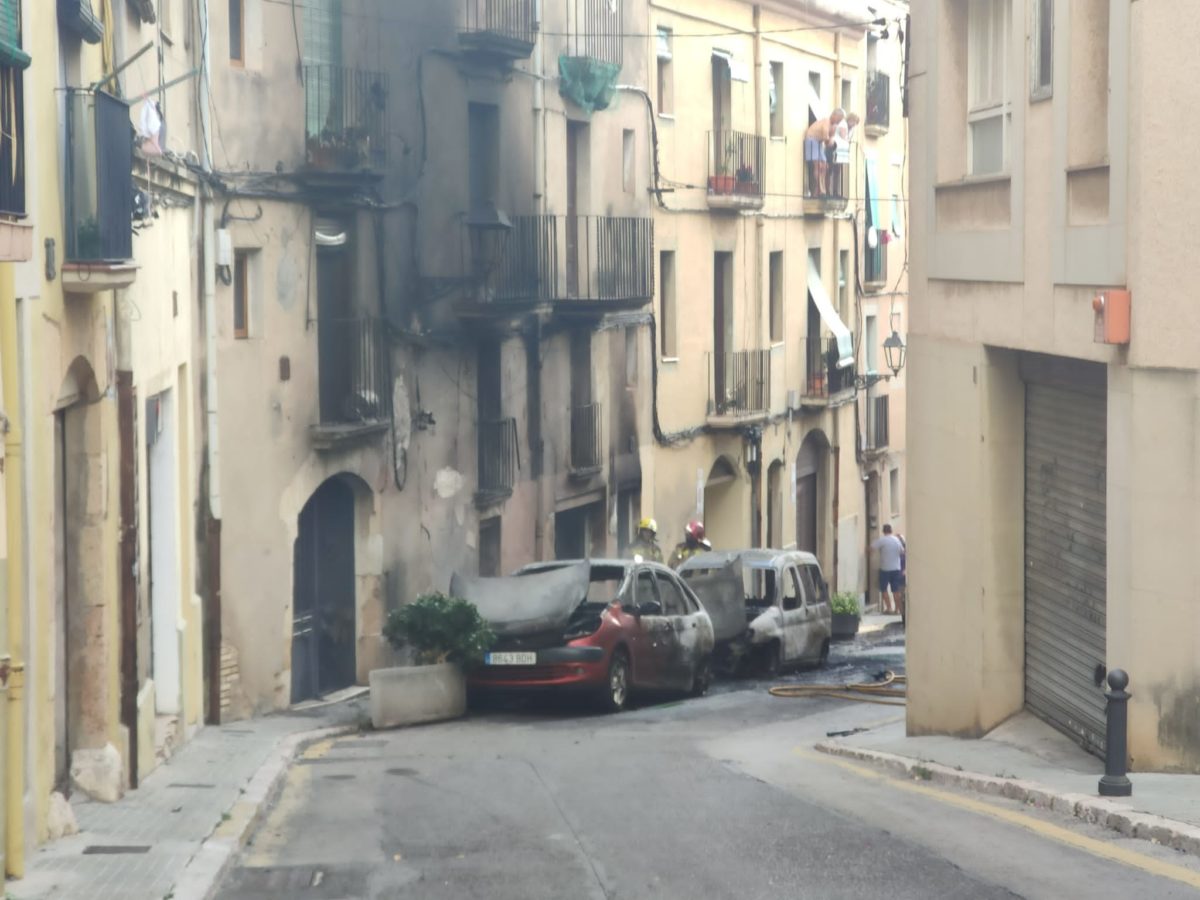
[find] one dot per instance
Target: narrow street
(717, 797)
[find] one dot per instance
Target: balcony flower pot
(721, 184)
(448, 635)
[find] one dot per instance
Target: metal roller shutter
(1065, 549)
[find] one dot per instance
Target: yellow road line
(1102, 849)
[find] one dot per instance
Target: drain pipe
(212, 618)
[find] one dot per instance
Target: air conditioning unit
(793, 399)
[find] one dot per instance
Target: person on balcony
(818, 141)
(840, 156)
(693, 542)
(646, 546)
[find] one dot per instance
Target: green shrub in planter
(844, 603)
(441, 629)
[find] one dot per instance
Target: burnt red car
(606, 628)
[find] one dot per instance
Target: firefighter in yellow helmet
(693, 542)
(646, 545)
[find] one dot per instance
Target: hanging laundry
(150, 128)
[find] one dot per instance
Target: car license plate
(511, 659)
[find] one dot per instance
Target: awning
(664, 43)
(738, 70)
(76, 17)
(829, 315)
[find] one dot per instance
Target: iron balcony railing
(737, 164)
(497, 455)
(879, 100)
(345, 118)
(739, 382)
(99, 178)
(875, 263)
(586, 449)
(602, 259)
(597, 30)
(827, 180)
(822, 377)
(877, 423)
(352, 368)
(506, 27)
(12, 142)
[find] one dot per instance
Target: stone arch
(335, 587)
(723, 510)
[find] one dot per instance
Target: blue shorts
(814, 151)
(893, 580)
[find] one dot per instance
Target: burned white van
(769, 608)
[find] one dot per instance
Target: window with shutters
(666, 100)
(237, 32)
(13, 61)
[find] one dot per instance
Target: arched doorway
(81, 636)
(324, 624)
(722, 512)
(775, 504)
(810, 489)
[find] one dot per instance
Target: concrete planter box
(410, 695)
(845, 626)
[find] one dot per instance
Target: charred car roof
(757, 558)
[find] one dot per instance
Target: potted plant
(745, 180)
(844, 606)
(446, 635)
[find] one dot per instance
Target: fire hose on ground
(889, 691)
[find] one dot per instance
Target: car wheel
(616, 688)
(702, 678)
(771, 660)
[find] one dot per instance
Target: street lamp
(893, 352)
(488, 230)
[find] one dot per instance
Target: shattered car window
(759, 585)
(605, 584)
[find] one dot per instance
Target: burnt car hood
(526, 604)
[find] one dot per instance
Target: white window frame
(989, 32)
(1037, 90)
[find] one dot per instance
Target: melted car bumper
(552, 667)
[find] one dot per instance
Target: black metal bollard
(1114, 783)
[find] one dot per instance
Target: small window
(666, 303)
(776, 99)
(894, 491)
(628, 161)
(489, 547)
(241, 294)
(812, 593)
(672, 598)
(237, 32)
(814, 259)
(665, 74)
(775, 286)
(1042, 82)
(989, 113)
(791, 589)
(847, 95)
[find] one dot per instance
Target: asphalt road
(713, 798)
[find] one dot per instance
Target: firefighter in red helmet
(693, 542)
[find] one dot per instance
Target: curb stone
(203, 872)
(1115, 816)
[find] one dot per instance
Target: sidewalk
(174, 835)
(1026, 760)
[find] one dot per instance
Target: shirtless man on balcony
(818, 141)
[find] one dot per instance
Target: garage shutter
(1065, 545)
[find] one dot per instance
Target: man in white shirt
(891, 571)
